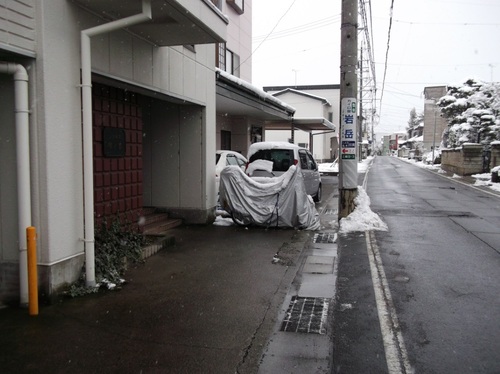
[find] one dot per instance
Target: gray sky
(432, 42)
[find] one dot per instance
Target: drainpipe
(88, 170)
(23, 167)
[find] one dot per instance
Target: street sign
(349, 144)
(348, 151)
(349, 157)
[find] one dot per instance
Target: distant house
(316, 117)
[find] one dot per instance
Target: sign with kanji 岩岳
(348, 143)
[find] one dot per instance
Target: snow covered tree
(416, 119)
(473, 113)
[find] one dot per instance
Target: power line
(386, 54)
(301, 28)
(277, 23)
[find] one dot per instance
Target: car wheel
(317, 197)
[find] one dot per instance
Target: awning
(236, 97)
(178, 22)
(304, 124)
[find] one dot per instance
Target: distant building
(316, 118)
(434, 123)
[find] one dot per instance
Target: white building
(316, 118)
(242, 109)
(151, 138)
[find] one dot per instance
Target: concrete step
(161, 228)
(157, 223)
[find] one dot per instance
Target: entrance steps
(155, 225)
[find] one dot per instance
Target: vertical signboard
(348, 143)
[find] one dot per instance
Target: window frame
(237, 5)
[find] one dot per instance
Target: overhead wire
(386, 54)
(270, 32)
(301, 28)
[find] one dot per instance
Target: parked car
(282, 155)
(225, 158)
(329, 168)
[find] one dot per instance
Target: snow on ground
(362, 218)
(481, 179)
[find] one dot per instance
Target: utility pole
(348, 161)
(361, 122)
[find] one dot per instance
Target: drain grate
(306, 315)
(324, 237)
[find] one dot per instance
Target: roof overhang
(236, 99)
(174, 22)
(304, 124)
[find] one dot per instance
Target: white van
(283, 155)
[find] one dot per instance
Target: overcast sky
(432, 43)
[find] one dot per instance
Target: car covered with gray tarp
(268, 201)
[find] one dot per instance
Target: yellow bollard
(32, 272)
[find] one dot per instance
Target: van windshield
(282, 158)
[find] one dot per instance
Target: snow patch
(362, 218)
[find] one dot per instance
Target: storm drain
(306, 315)
(324, 238)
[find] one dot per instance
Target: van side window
(304, 164)
(311, 162)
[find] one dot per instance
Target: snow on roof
(416, 139)
(257, 91)
(325, 101)
(255, 147)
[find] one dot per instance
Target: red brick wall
(117, 180)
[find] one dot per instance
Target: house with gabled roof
(314, 122)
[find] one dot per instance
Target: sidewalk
(212, 303)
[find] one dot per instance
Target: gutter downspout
(23, 167)
(88, 170)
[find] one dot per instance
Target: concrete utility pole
(348, 161)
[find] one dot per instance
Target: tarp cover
(275, 202)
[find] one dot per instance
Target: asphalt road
(441, 257)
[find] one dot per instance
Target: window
(221, 56)
(217, 3)
(227, 60)
(237, 5)
(310, 162)
(303, 160)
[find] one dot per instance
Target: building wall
(239, 36)
(434, 123)
(17, 29)
(467, 160)
(118, 189)
(167, 74)
(239, 41)
(310, 107)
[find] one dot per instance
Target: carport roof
(305, 124)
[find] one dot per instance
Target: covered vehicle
(225, 158)
(268, 201)
(282, 155)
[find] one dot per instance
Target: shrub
(115, 245)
